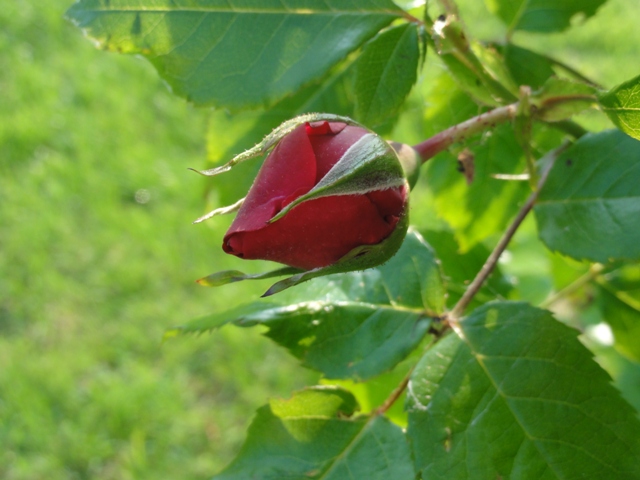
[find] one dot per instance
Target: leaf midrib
(240, 11)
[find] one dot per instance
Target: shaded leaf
(626, 279)
(230, 134)
(493, 61)
(622, 106)
(527, 67)
(353, 325)
(460, 269)
(477, 70)
(541, 15)
(203, 51)
(516, 395)
(311, 436)
(552, 103)
(385, 72)
(448, 105)
(622, 313)
(374, 392)
(590, 205)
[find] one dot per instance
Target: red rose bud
(325, 193)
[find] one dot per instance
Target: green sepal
(230, 276)
(368, 165)
(221, 211)
(360, 258)
(409, 160)
(274, 137)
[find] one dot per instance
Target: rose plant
(495, 381)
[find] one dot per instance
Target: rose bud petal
(324, 191)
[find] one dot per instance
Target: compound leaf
(385, 73)
(590, 205)
(515, 395)
(313, 435)
(232, 53)
(541, 15)
(353, 325)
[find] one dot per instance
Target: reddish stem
(443, 140)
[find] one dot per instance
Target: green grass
(91, 277)
(98, 258)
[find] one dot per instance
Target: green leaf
(527, 67)
(622, 313)
(468, 81)
(311, 436)
(460, 268)
(559, 99)
(448, 105)
(626, 279)
(376, 391)
(230, 134)
(353, 325)
(385, 73)
(516, 395)
(318, 401)
(485, 207)
(477, 70)
(493, 62)
(590, 205)
(235, 54)
(541, 15)
(622, 106)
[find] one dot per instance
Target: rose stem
(492, 260)
(451, 318)
(441, 141)
(444, 139)
(395, 395)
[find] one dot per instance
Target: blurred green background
(98, 257)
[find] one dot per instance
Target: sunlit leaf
(622, 313)
(314, 435)
(353, 325)
(514, 394)
(590, 206)
(235, 54)
(541, 15)
(559, 99)
(385, 73)
(622, 105)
